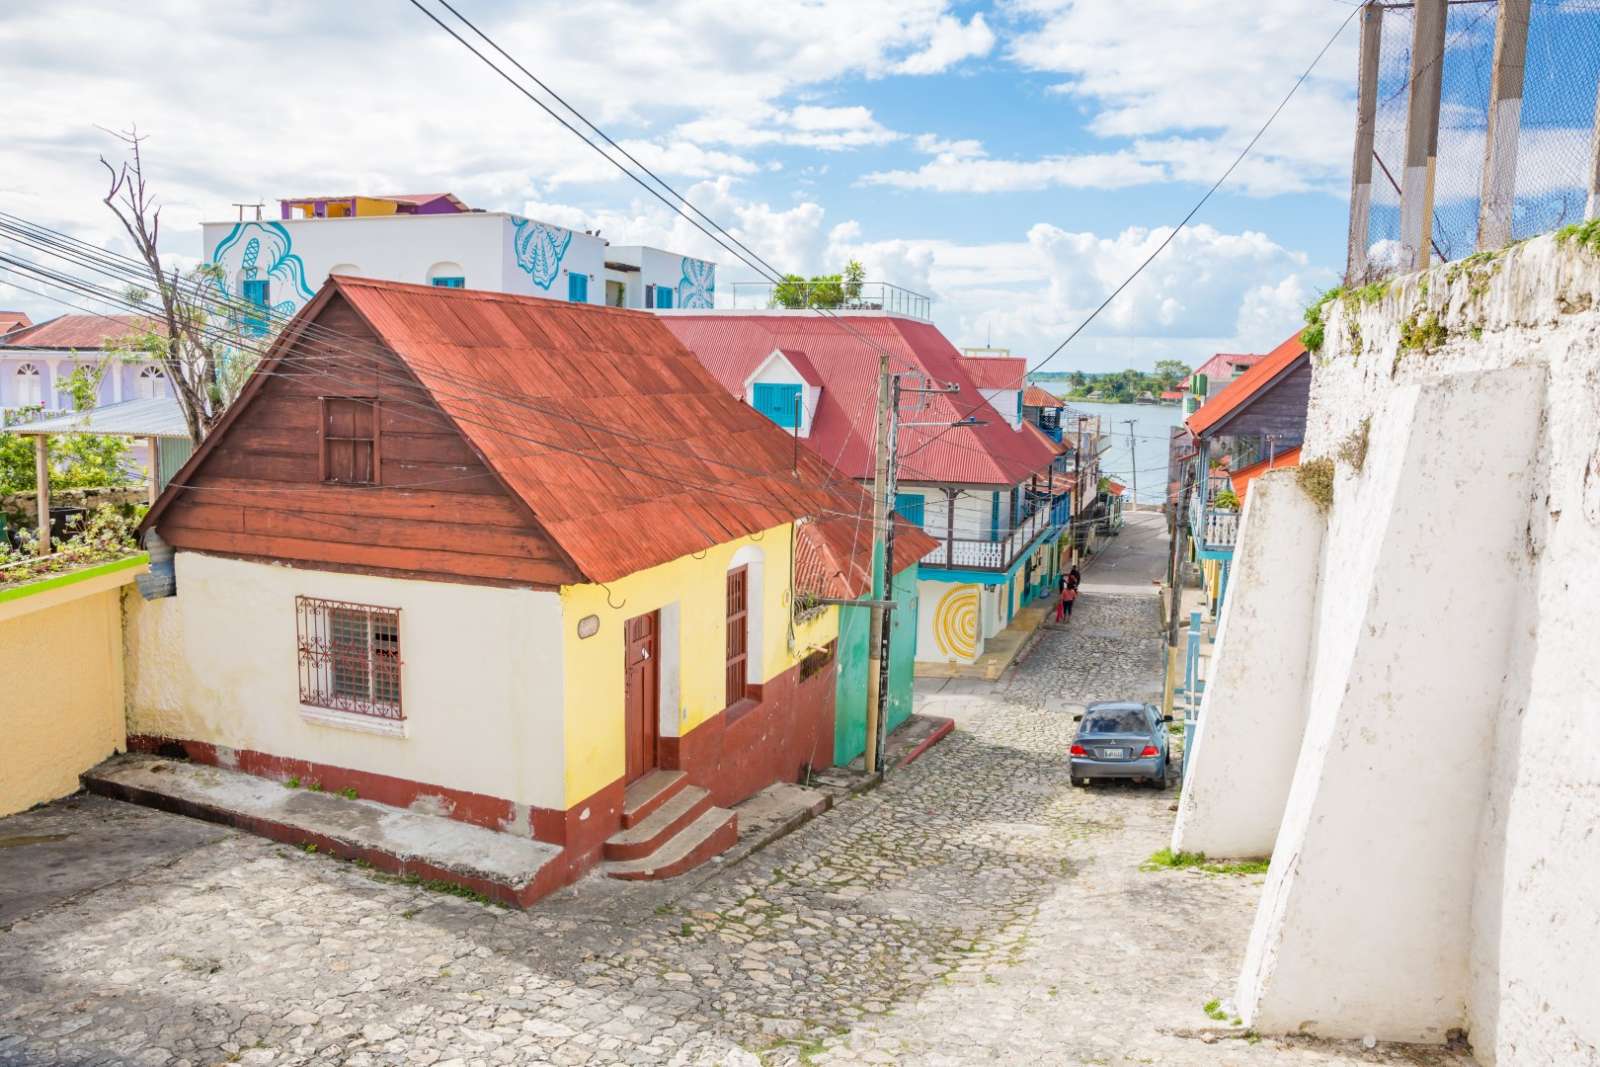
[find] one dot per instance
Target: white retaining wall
(1438, 864)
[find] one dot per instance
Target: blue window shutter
(778, 403)
(578, 288)
(663, 297)
(994, 516)
(910, 506)
(257, 292)
(450, 283)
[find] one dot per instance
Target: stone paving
(975, 908)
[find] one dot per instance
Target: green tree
(1169, 372)
(820, 290)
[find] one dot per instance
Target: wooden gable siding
(437, 513)
(1278, 408)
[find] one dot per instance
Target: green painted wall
(850, 696)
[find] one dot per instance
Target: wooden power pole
(1133, 459)
(877, 628)
(1505, 121)
(1361, 166)
(1422, 134)
(1593, 210)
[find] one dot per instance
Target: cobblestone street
(973, 909)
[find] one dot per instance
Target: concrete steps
(645, 836)
(712, 833)
(643, 797)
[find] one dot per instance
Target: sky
(1014, 160)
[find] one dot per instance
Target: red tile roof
(1034, 397)
(1242, 388)
(996, 372)
(627, 451)
(76, 331)
(731, 346)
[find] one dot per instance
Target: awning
(160, 417)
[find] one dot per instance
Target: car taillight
(1077, 750)
(1149, 750)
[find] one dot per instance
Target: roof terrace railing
(833, 295)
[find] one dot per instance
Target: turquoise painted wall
(850, 696)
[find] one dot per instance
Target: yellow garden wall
(691, 595)
(61, 701)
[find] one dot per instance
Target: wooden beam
(41, 475)
(1422, 134)
(1593, 211)
(1505, 120)
(1361, 168)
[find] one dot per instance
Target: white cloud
(808, 126)
(965, 170)
(950, 43)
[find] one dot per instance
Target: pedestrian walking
(1061, 600)
(1068, 595)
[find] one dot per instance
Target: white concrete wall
(1252, 716)
(1437, 864)
(1004, 402)
(692, 281)
(481, 681)
(948, 621)
(778, 371)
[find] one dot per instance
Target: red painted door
(642, 697)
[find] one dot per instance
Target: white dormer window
(785, 387)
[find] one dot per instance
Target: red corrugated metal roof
(1114, 487)
(567, 393)
(802, 366)
(1246, 385)
(833, 556)
(1221, 366)
(995, 372)
(13, 320)
(1241, 479)
(77, 331)
(842, 349)
(1034, 397)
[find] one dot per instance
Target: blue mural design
(540, 248)
(262, 251)
(698, 288)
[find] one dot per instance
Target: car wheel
(1160, 780)
(1080, 782)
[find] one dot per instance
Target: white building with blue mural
(277, 264)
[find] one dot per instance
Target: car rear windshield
(1126, 721)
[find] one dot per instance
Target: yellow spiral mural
(955, 622)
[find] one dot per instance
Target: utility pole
(877, 631)
(1505, 119)
(1077, 489)
(1133, 460)
(1422, 134)
(1361, 169)
(884, 657)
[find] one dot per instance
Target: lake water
(1146, 453)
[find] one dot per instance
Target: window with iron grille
(350, 440)
(349, 657)
(738, 633)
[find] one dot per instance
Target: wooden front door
(642, 642)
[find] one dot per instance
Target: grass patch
(1586, 235)
(1313, 335)
(1316, 481)
(348, 792)
(1213, 1008)
(292, 783)
(1422, 333)
(1168, 860)
(1353, 449)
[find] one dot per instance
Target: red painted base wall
(733, 755)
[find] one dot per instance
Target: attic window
(350, 440)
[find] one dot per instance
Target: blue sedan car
(1121, 739)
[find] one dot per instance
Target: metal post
(154, 445)
(1422, 134)
(1593, 210)
(1366, 115)
(41, 481)
(1505, 119)
(1075, 502)
(795, 463)
(884, 657)
(880, 514)
(1133, 460)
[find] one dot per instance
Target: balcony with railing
(1215, 530)
(833, 295)
(996, 553)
